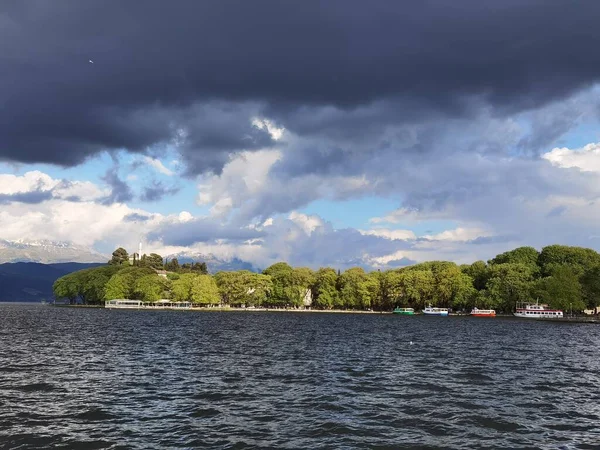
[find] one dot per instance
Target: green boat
(404, 311)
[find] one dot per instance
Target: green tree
(299, 286)
(181, 288)
(580, 259)
(522, 255)
(561, 290)
(200, 267)
(204, 290)
(509, 283)
(151, 288)
(66, 287)
(86, 284)
(590, 285)
(417, 288)
(325, 294)
(358, 289)
(392, 289)
(122, 284)
(119, 257)
(243, 287)
(479, 272)
(172, 265)
(155, 261)
(280, 274)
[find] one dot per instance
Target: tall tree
(281, 274)
(509, 283)
(155, 261)
(150, 288)
(479, 272)
(119, 257)
(358, 290)
(243, 287)
(172, 265)
(182, 287)
(325, 294)
(580, 259)
(521, 255)
(123, 283)
(561, 290)
(204, 290)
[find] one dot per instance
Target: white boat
(433, 311)
(124, 304)
(537, 311)
(138, 304)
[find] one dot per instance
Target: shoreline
(578, 319)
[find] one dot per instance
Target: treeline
(564, 277)
(120, 257)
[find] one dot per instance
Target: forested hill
(564, 277)
(32, 282)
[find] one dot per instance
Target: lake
(95, 378)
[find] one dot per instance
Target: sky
(341, 133)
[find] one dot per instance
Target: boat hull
(404, 313)
(435, 313)
(483, 314)
(531, 315)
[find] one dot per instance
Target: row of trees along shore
(563, 277)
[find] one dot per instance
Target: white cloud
(244, 177)
(586, 159)
(30, 181)
(266, 124)
(36, 181)
(459, 234)
(308, 223)
(158, 166)
(401, 235)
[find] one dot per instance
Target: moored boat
(123, 303)
(537, 311)
(434, 311)
(476, 312)
(404, 311)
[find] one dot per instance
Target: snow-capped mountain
(45, 251)
(213, 263)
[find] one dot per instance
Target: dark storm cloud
(207, 68)
(156, 191)
(120, 191)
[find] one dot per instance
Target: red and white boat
(537, 311)
(476, 312)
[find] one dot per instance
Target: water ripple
(75, 378)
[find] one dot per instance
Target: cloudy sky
(335, 133)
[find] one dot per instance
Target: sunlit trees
(243, 287)
(325, 294)
(196, 288)
(564, 277)
(508, 284)
(358, 290)
(290, 285)
(123, 283)
(561, 290)
(204, 290)
(150, 288)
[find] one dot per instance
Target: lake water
(93, 378)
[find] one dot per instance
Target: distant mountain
(45, 251)
(213, 263)
(32, 282)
